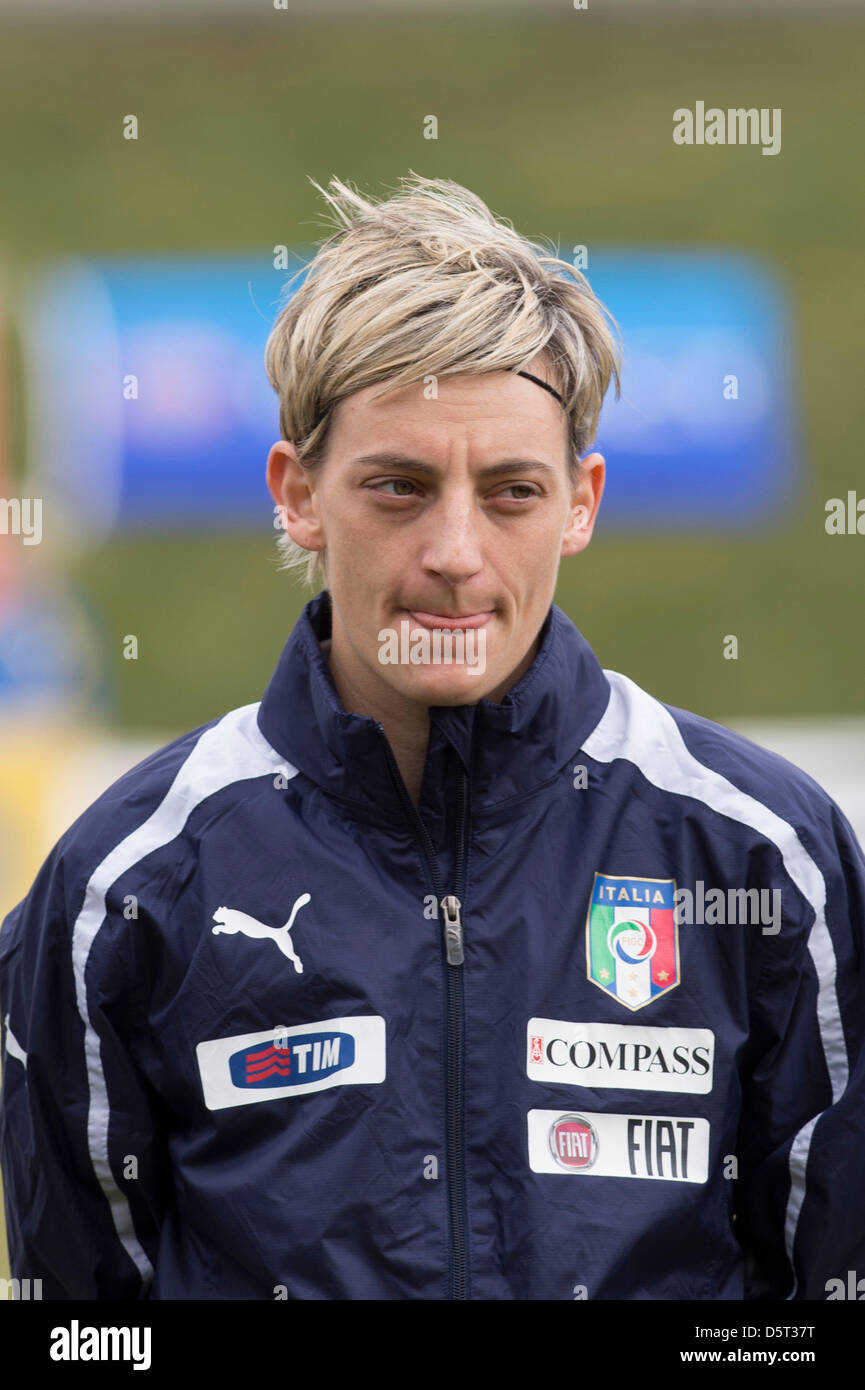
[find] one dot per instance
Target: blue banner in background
(705, 433)
(149, 402)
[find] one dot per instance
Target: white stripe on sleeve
(230, 751)
(639, 729)
(13, 1046)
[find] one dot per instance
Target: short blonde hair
(428, 283)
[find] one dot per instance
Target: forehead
(485, 412)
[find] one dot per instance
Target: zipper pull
(453, 930)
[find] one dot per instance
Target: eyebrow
(390, 459)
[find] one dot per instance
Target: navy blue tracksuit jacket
(588, 1022)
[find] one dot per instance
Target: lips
(451, 621)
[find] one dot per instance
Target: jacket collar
(509, 748)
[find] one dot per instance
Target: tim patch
(294, 1061)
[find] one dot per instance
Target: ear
(585, 502)
(292, 488)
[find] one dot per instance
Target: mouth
(455, 622)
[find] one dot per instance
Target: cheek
(342, 525)
(355, 547)
(533, 548)
(366, 541)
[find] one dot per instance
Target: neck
(405, 723)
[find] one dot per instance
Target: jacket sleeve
(82, 1136)
(800, 1198)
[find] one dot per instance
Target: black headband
(527, 375)
(538, 382)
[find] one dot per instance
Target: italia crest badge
(632, 938)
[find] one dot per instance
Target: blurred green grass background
(563, 126)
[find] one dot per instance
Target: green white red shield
(632, 938)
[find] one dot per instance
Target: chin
(443, 686)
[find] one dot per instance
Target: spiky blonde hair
(428, 282)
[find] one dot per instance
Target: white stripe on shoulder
(13, 1046)
(638, 728)
(233, 750)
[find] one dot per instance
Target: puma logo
(230, 920)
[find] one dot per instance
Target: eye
(528, 491)
(395, 482)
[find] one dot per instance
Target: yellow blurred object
(26, 772)
(50, 771)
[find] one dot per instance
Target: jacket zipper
(451, 906)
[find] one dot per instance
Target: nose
(453, 548)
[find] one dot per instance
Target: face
(451, 513)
